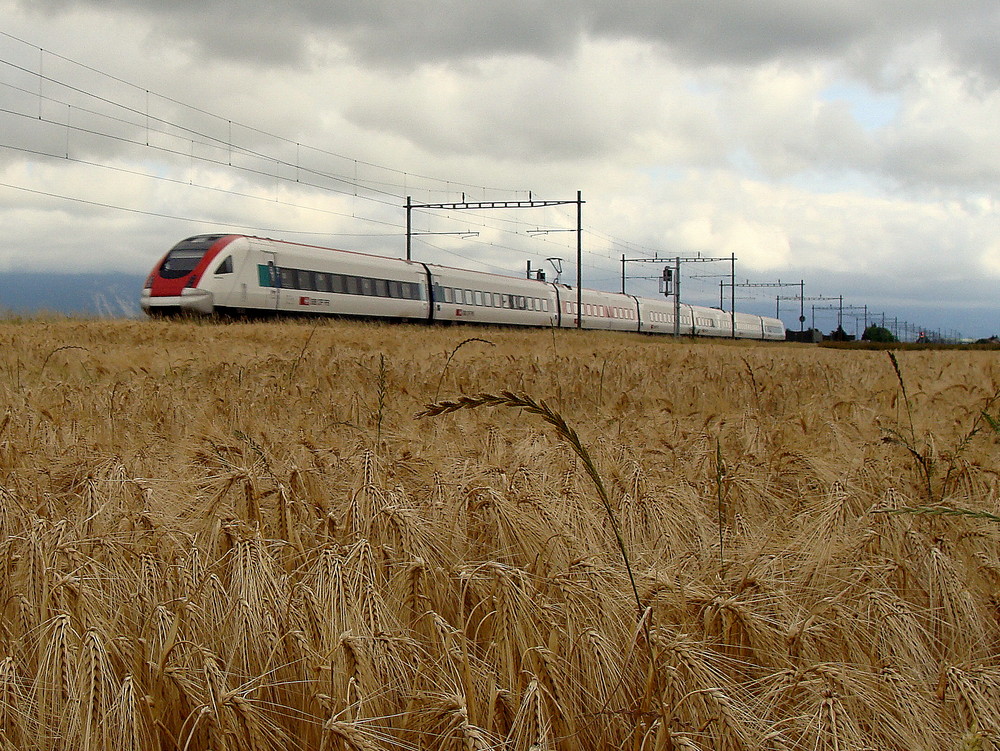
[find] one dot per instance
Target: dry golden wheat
(236, 536)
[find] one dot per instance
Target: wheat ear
(564, 431)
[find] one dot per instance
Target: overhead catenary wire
(166, 135)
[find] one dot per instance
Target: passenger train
(241, 275)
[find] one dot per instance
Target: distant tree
(877, 334)
(839, 335)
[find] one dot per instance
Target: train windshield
(185, 256)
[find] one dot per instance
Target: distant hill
(111, 295)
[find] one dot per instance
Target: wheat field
(241, 536)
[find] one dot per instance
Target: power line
(141, 119)
(210, 114)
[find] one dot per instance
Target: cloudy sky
(852, 144)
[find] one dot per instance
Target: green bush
(878, 334)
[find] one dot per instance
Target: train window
(545, 305)
(468, 297)
(184, 257)
(367, 287)
(504, 301)
(226, 267)
(351, 285)
(381, 288)
(337, 283)
(448, 295)
(479, 298)
(394, 290)
(322, 282)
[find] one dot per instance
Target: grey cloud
(409, 34)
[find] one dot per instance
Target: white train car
(477, 297)
(774, 329)
(601, 310)
(242, 275)
(757, 327)
(712, 322)
(658, 316)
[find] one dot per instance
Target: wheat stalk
(564, 431)
(940, 511)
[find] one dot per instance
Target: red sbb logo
(313, 301)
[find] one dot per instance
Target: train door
(258, 278)
(274, 277)
(265, 283)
